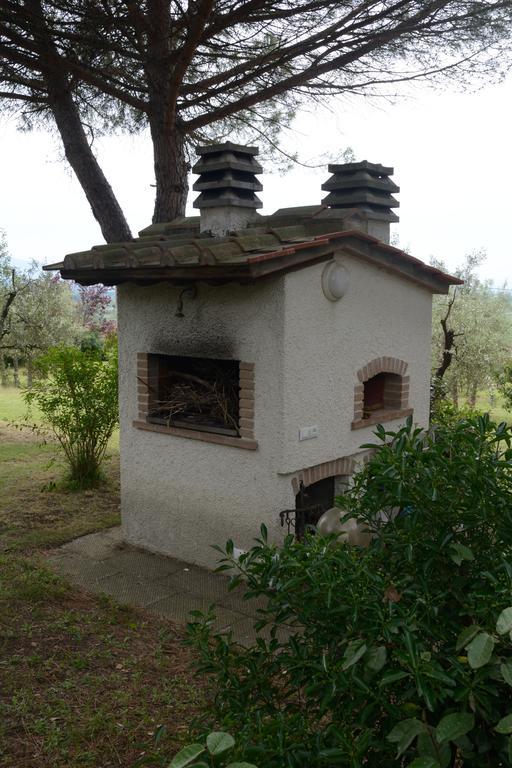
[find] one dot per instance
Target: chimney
(366, 189)
(227, 183)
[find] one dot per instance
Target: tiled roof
(288, 239)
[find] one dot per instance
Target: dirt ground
(83, 681)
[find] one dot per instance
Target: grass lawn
(13, 410)
(12, 406)
(496, 408)
(83, 681)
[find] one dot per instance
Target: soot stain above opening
(215, 349)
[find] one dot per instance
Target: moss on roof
(288, 239)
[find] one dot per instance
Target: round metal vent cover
(335, 280)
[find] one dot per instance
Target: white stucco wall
(180, 495)
(328, 342)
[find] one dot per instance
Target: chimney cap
(227, 198)
(226, 158)
(362, 165)
(226, 181)
(362, 185)
(360, 180)
(227, 185)
(360, 198)
(226, 146)
(223, 161)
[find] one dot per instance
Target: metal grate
(304, 517)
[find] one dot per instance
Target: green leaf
(504, 725)
(461, 552)
(392, 677)
(504, 623)
(241, 765)
(376, 658)
(465, 745)
(405, 732)
(219, 742)
(186, 755)
(424, 762)
(480, 650)
(467, 634)
(509, 749)
(353, 652)
(454, 726)
(333, 754)
(428, 746)
(506, 672)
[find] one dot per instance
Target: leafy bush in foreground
(214, 753)
(76, 391)
(399, 654)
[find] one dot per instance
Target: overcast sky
(451, 153)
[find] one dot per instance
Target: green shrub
(91, 341)
(447, 413)
(215, 752)
(505, 386)
(76, 391)
(399, 654)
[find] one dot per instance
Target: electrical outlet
(237, 552)
(306, 433)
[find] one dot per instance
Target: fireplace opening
(194, 393)
(381, 392)
(311, 502)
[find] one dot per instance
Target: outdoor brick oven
(257, 352)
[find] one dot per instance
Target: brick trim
(396, 390)
(310, 475)
(382, 365)
(191, 434)
(380, 417)
(246, 403)
(142, 384)
(246, 406)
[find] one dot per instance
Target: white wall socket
(306, 433)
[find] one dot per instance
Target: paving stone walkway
(103, 563)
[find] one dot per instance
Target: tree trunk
(103, 202)
(30, 371)
(171, 167)
(472, 395)
(16, 370)
(449, 338)
(104, 205)
(171, 170)
(455, 393)
(4, 378)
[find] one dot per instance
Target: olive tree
(471, 334)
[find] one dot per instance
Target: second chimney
(367, 188)
(227, 183)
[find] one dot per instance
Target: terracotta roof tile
(288, 239)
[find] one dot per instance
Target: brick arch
(382, 365)
(344, 466)
(398, 388)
